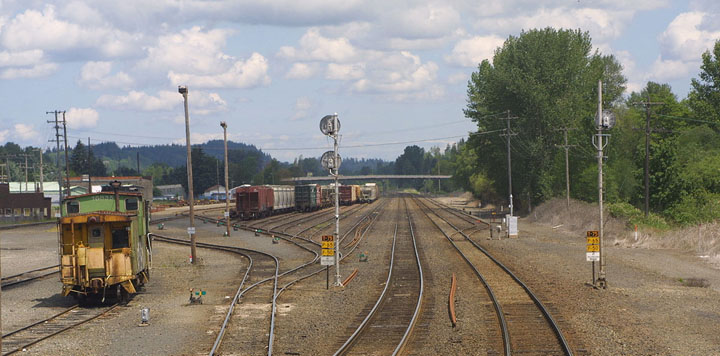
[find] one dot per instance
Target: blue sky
(395, 72)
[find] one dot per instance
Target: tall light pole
(605, 120)
(191, 199)
(227, 187)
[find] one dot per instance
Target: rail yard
(262, 291)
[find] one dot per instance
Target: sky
(395, 72)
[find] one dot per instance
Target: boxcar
(328, 195)
(254, 201)
(370, 192)
(284, 198)
(348, 195)
(308, 197)
(104, 246)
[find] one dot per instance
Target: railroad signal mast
(604, 120)
(330, 126)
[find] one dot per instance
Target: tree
(546, 79)
(704, 97)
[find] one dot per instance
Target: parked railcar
(328, 195)
(252, 202)
(284, 198)
(104, 246)
(348, 195)
(358, 194)
(308, 197)
(370, 192)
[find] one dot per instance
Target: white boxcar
(284, 197)
(370, 192)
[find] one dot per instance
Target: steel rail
(414, 319)
(535, 299)
(372, 312)
(496, 304)
(6, 281)
(54, 332)
(241, 292)
(383, 296)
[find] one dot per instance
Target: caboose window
(120, 238)
(72, 207)
(131, 204)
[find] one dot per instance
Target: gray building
(171, 191)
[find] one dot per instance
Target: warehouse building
(26, 206)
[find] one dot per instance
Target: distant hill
(172, 155)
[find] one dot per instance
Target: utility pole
(227, 186)
(648, 107)
(191, 230)
(509, 133)
(26, 173)
(41, 170)
(57, 151)
(67, 166)
(567, 160)
(336, 125)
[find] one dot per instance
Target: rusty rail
(451, 301)
(350, 277)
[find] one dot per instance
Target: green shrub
(635, 216)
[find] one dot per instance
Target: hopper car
(104, 246)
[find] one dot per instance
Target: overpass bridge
(376, 177)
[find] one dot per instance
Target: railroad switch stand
(161, 226)
(196, 296)
(363, 257)
(275, 239)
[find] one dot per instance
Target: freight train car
(348, 195)
(308, 197)
(370, 192)
(284, 198)
(104, 246)
(252, 202)
(328, 195)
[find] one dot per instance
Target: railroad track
(524, 322)
(389, 324)
(29, 276)
(262, 267)
(71, 317)
(292, 274)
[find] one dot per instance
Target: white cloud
(420, 22)
(36, 71)
(33, 29)
(664, 70)
(470, 52)
(194, 57)
(302, 106)
(25, 132)
(458, 78)
(140, 101)
(199, 102)
(300, 71)
(21, 58)
(243, 74)
(4, 135)
(397, 73)
(345, 71)
(82, 117)
(96, 75)
(315, 47)
(603, 24)
(684, 39)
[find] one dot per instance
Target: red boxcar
(347, 195)
(253, 201)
